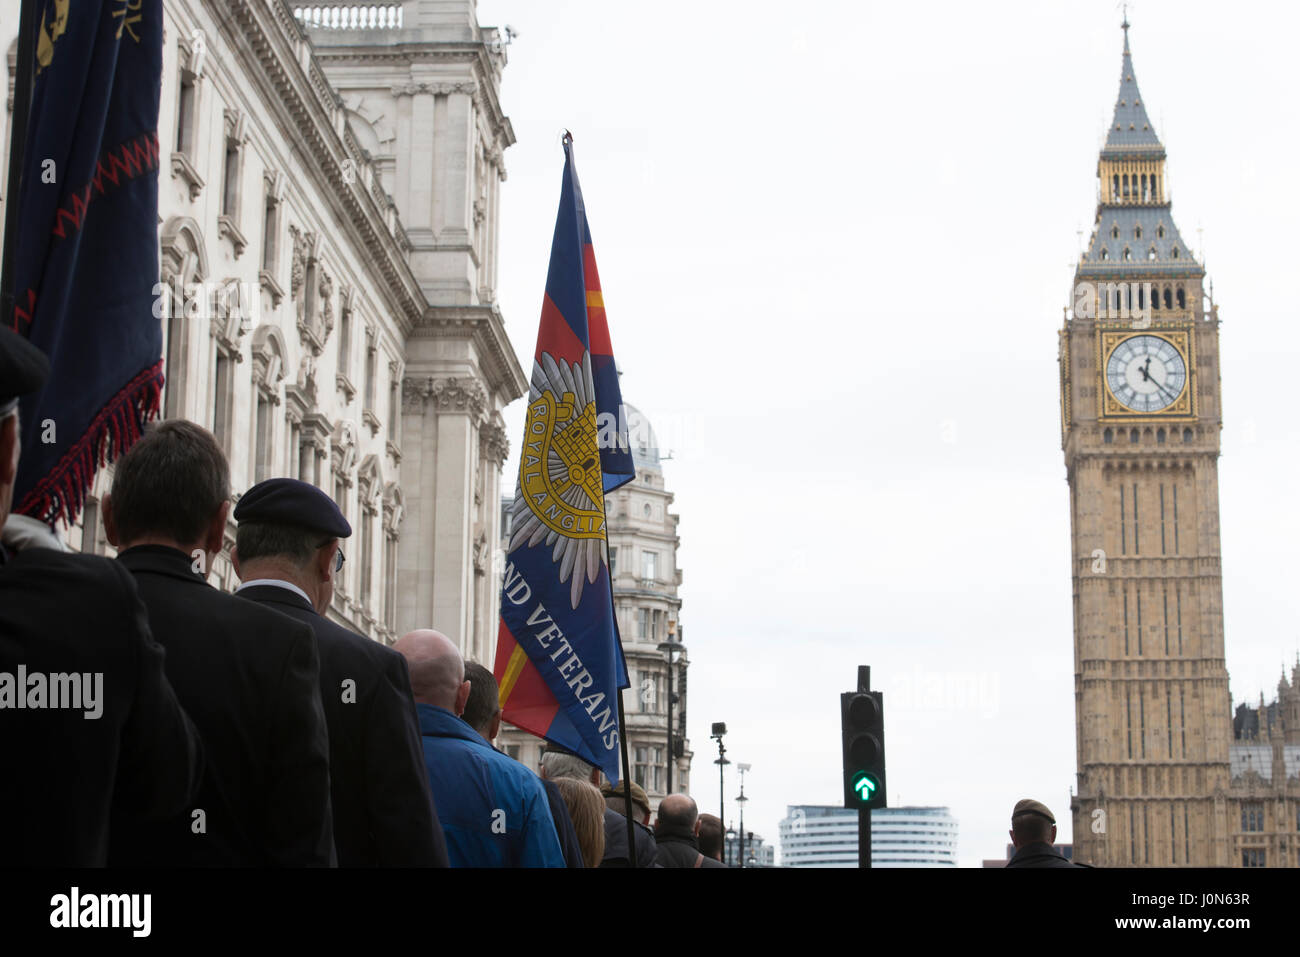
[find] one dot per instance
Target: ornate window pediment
(232, 313)
(312, 289)
(394, 507)
(343, 449)
(370, 483)
(269, 359)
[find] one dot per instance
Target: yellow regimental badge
(560, 459)
(560, 498)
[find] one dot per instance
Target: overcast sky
(835, 241)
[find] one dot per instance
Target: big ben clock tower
(1140, 428)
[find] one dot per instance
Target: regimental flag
(559, 661)
(86, 260)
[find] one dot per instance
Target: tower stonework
(1139, 357)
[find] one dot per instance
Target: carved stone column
(441, 418)
(494, 449)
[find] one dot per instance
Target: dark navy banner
(86, 260)
(559, 661)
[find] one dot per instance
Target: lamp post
(672, 649)
(740, 852)
(719, 729)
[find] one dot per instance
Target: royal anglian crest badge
(560, 496)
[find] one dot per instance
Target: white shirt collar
(277, 583)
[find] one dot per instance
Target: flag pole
(622, 717)
(17, 153)
(627, 781)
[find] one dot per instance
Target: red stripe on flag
(556, 336)
(531, 705)
(597, 328)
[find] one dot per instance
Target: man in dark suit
(1033, 832)
(248, 676)
(122, 739)
(287, 555)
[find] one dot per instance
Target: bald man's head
(679, 810)
(437, 669)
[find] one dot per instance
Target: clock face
(1146, 373)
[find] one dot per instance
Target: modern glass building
(818, 835)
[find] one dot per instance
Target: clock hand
(1162, 388)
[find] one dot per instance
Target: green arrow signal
(864, 785)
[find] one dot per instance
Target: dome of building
(641, 436)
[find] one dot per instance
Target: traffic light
(862, 719)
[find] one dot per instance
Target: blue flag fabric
(86, 261)
(559, 661)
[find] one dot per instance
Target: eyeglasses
(338, 556)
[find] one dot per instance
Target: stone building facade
(328, 212)
(1159, 776)
(643, 543)
(1264, 795)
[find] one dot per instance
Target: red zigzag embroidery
(132, 158)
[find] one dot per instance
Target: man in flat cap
(288, 555)
(616, 853)
(1033, 832)
(125, 742)
(248, 676)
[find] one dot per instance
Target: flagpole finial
(567, 139)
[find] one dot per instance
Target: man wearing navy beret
(287, 555)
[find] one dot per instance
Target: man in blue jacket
(483, 714)
(492, 809)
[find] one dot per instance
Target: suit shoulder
(346, 643)
(102, 587)
(86, 570)
(259, 622)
